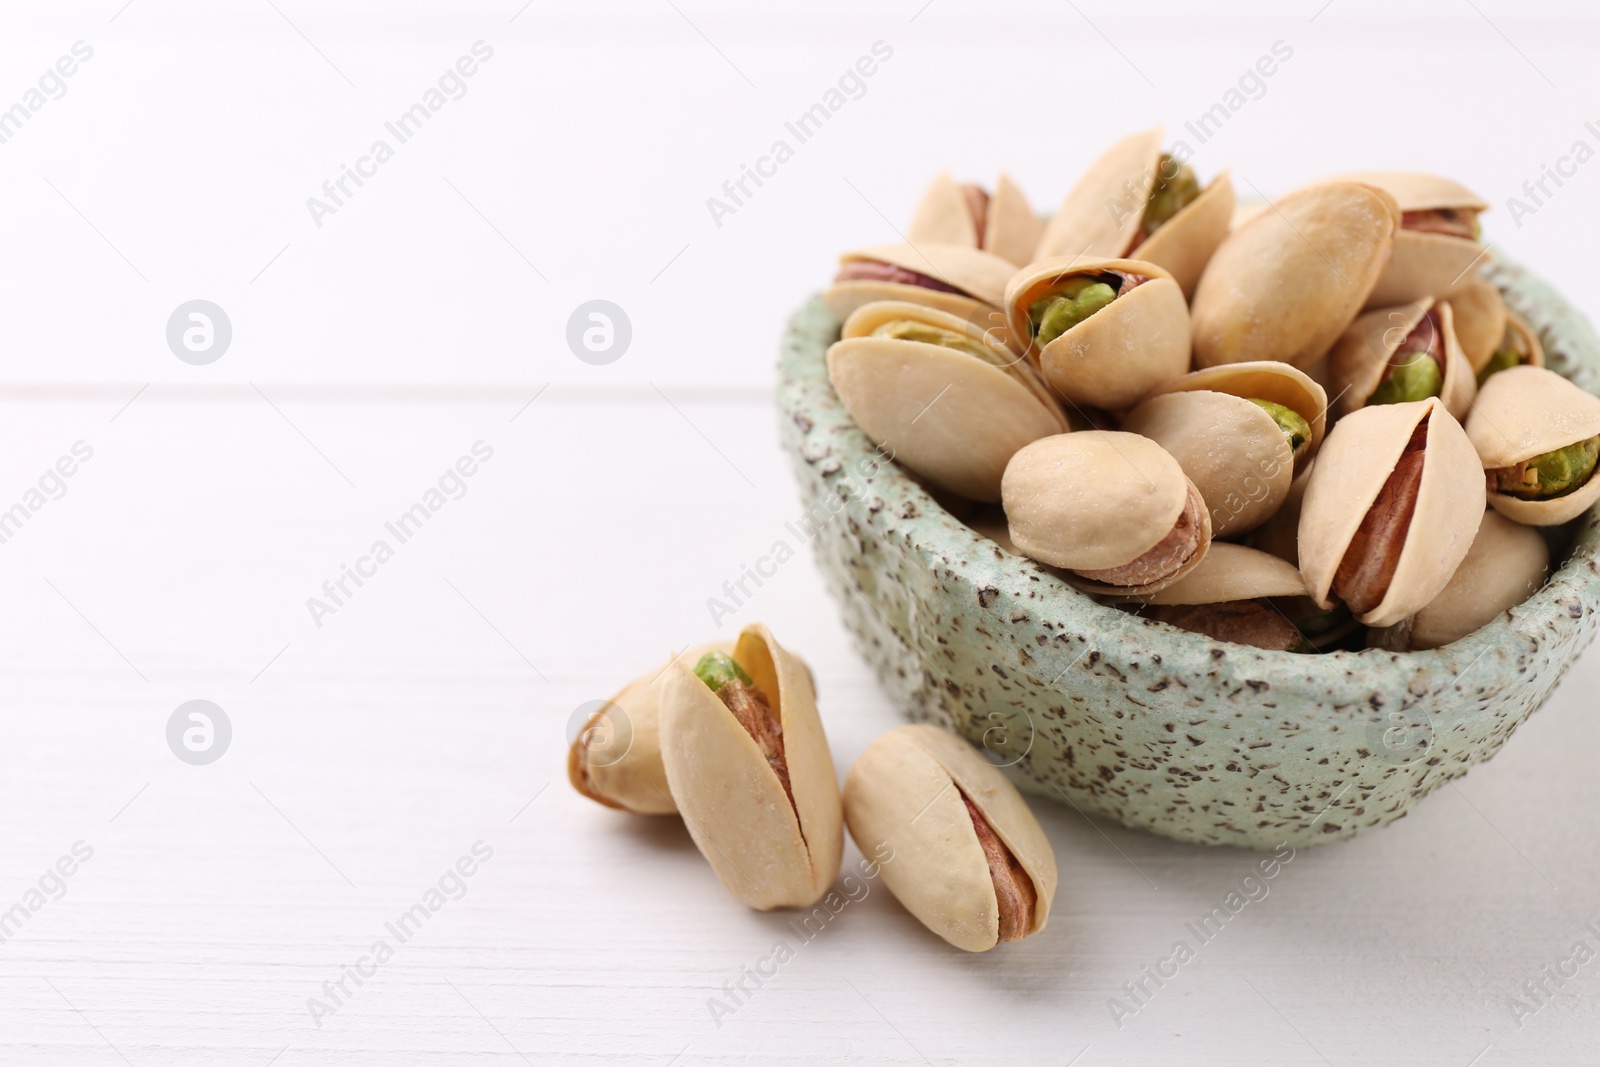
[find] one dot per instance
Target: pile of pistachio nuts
(728, 737)
(1302, 425)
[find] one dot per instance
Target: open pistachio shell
(908, 796)
(1187, 241)
(1519, 340)
(1435, 521)
(1119, 353)
(1480, 320)
(1286, 284)
(978, 278)
(1525, 412)
(1245, 596)
(1010, 228)
(1231, 449)
(768, 852)
(1423, 263)
(1269, 380)
(1360, 359)
(1232, 572)
(1101, 500)
(616, 757)
(1507, 564)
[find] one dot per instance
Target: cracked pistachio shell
(1480, 319)
(1505, 566)
(1356, 460)
(616, 758)
(951, 417)
(1097, 499)
(1265, 380)
(1232, 572)
(1231, 449)
(904, 797)
(1101, 216)
(767, 852)
(980, 277)
(1424, 264)
(1119, 353)
(1524, 412)
(1361, 357)
(988, 332)
(1286, 283)
(1520, 336)
(1011, 226)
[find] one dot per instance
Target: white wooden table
(426, 716)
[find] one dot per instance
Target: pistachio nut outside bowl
(1158, 728)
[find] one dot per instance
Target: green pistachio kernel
(1175, 188)
(1550, 475)
(1295, 428)
(717, 669)
(1503, 359)
(1065, 307)
(908, 330)
(1417, 377)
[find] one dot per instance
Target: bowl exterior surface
(1155, 727)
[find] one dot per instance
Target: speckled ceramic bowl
(1153, 726)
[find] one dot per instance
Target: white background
(429, 712)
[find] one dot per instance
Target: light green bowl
(1156, 727)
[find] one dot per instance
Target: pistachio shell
(943, 217)
(1095, 500)
(1286, 284)
(1424, 264)
(904, 797)
(1506, 564)
(1356, 460)
(1100, 216)
(1188, 240)
(980, 277)
(1521, 337)
(1480, 320)
(1122, 351)
(616, 758)
(1418, 191)
(1280, 535)
(1361, 357)
(767, 852)
(1524, 412)
(1265, 380)
(1012, 227)
(1232, 572)
(1231, 449)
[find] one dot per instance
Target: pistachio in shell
(1437, 245)
(1111, 508)
(1236, 594)
(1101, 332)
(1519, 346)
(1538, 437)
(1399, 354)
(1137, 201)
(1002, 223)
(1390, 511)
(969, 859)
(1286, 284)
(1280, 535)
(751, 773)
(1290, 394)
(964, 282)
(1507, 564)
(947, 401)
(1479, 313)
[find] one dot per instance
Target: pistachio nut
(1506, 564)
(1437, 245)
(1399, 354)
(1287, 283)
(970, 861)
(967, 215)
(1519, 346)
(1137, 201)
(1103, 332)
(965, 282)
(751, 773)
(1392, 507)
(1538, 436)
(946, 400)
(1113, 509)
(1236, 594)
(616, 757)
(1480, 320)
